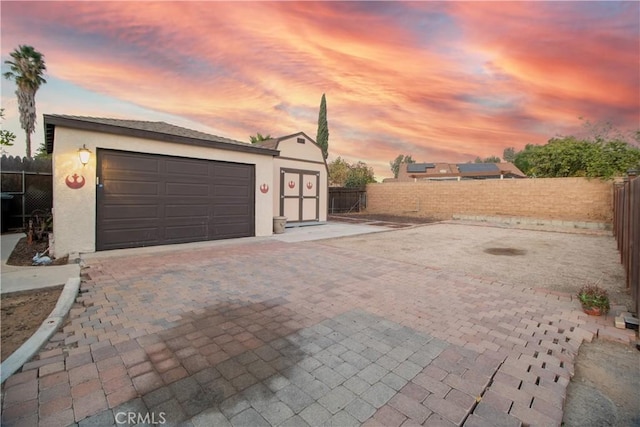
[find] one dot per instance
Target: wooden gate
(345, 200)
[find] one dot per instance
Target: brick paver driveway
(273, 333)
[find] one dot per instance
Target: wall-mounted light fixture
(85, 154)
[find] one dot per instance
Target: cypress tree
(323, 128)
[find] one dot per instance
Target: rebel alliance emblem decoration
(73, 182)
(264, 188)
(292, 184)
(309, 185)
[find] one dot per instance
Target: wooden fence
(626, 228)
(27, 186)
(345, 200)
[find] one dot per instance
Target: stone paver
(271, 333)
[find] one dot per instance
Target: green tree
(395, 164)
(322, 138)
(570, 156)
(26, 69)
(562, 157)
(523, 159)
(614, 158)
(343, 174)
(6, 137)
(359, 176)
(338, 172)
(490, 159)
(259, 138)
(509, 154)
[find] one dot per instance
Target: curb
(44, 332)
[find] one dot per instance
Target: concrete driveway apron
(274, 333)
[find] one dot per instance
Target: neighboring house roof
(419, 167)
(159, 131)
(438, 170)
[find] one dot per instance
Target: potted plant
(594, 300)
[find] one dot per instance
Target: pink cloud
(444, 81)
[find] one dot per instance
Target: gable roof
(159, 131)
(274, 142)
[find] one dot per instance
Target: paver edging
(48, 327)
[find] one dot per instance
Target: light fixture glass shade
(84, 153)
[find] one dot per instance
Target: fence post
(24, 198)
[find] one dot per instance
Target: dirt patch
(24, 252)
(22, 315)
(362, 217)
(604, 390)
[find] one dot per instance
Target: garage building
(152, 183)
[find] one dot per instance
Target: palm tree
(259, 138)
(26, 70)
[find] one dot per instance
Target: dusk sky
(442, 81)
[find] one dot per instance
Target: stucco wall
(569, 199)
(74, 210)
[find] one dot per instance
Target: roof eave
(51, 121)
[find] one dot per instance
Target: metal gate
(27, 186)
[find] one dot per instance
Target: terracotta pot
(592, 311)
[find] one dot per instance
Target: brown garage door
(149, 199)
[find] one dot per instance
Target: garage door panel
(130, 212)
(186, 189)
(131, 187)
(124, 201)
(226, 220)
(230, 171)
(187, 168)
(233, 210)
(186, 211)
(172, 200)
(124, 162)
(235, 191)
(116, 200)
(129, 224)
(192, 232)
(131, 238)
(226, 231)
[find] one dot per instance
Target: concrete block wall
(566, 199)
